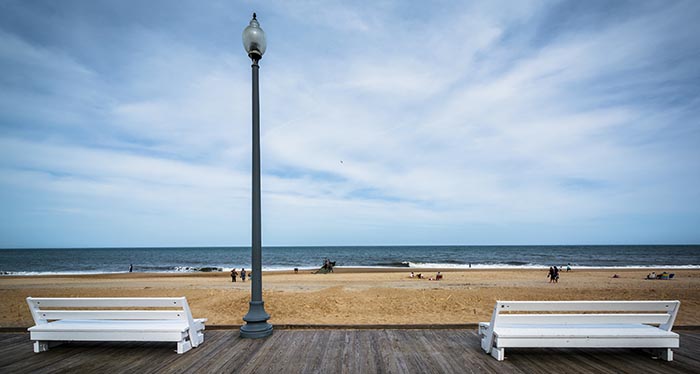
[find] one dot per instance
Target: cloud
(382, 123)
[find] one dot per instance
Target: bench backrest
(661, 313)
(45, 309)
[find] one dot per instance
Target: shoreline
(337, 270)
(341, 270)
(367, 269)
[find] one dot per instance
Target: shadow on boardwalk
(336, 351)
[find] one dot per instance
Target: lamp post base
(256, 322)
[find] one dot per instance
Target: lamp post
(256, 320)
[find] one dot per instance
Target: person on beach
(652, 275)
(568, 267)
(412, 275)
(131, 268)
(556, 274)
(242, 274)
(550, 275)
(234, 274)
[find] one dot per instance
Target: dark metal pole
(256, 320)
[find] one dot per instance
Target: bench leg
(183, 346)
(665, 354)
(498, 353)
(197, 338)
(40, 346)
(482, 329)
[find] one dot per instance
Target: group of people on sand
(665, 275)
(553, 274)
(234, 274)
(438, 276)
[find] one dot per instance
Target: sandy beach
(358, 296)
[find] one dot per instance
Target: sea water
(197, 259)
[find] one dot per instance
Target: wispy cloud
(387, 122)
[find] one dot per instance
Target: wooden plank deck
(336, 351)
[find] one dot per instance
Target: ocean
(198, 259)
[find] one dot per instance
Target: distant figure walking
(552, 274)
(242, 275)
(568, 267)
(234, 274)
(131, 268)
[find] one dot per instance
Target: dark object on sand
(326, 268)
(663, 276)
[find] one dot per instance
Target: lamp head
(254, 39)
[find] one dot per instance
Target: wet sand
(359, 296)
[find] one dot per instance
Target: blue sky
(127, 123)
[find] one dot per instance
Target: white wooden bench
(88, 319)
(605, 324)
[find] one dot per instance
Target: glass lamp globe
(254, 39)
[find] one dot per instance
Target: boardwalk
(335, 351)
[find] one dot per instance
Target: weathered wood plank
(337, 351)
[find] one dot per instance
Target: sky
(128, 123)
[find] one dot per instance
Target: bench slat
(572, 319)
(112, 314)
(592, 342)
(581, 331)
(124, 302)
(112, 336)
(599, 306)
(112, 325)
